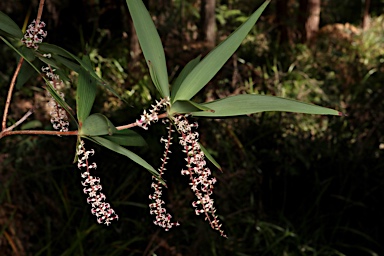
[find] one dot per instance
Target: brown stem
(31, 132)
(10, 128)
(39, 12)
(123, 127)
(8, 102)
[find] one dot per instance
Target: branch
(123, 127)
(20, 121)
(8, 102)
(32, 132)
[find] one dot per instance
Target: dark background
(292, 184)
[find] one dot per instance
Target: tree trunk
(208, 22)
(366, 16)
(281, 21)
(313, 19)
(309, 19)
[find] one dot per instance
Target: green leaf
(97, 124)
(72, 65)
(210, 157)
(49, 87)
(26, 72)
(245, 104)
(31, 125)
(151, 45)
(86, 93)
(214, 61)
(8, 26)
(57, 51)
(126, 138)
(186, 106)
(183, 74)
(123, 151)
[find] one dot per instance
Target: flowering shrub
(176, 103)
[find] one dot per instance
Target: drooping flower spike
(59, 118)
(103, 211)
(201, 182)
(163, 219)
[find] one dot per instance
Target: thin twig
(12, 85)
(39, 12)
(123, 127)
(10, 128)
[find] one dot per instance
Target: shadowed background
(292, 184)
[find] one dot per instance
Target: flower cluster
(103, 211)
(163, 219)
(152, 116)
(200, 176)
(59, 118)
(202, 183)
(34, 35)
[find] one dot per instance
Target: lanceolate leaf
(245, 104)
(215, 60)
(150, 44)
(187, 106)
(210, 157)
(126, 138)
(123, 151)
(183, 74)
(8, 26)
(25, 74)
(85, 95)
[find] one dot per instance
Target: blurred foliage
(292, 184)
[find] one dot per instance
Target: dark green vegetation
(292, 184)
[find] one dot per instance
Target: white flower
(103, 211)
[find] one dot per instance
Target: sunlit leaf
(8, 26)
(183, 74)
(150, 44)
(214, 61)
(85, 94)
(245, 104)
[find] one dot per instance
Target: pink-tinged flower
(152, 116)
(202, 183)
(163, 219)
(103, 211)
(34, 35)
(59, 118)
